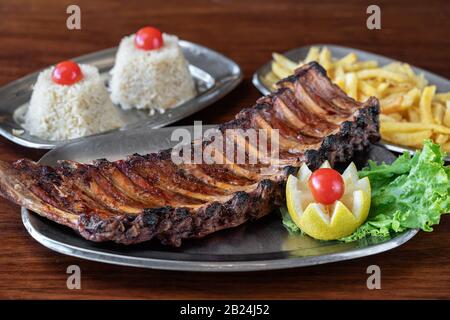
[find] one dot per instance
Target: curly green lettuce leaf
(411, 193)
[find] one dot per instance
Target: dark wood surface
(33, 35)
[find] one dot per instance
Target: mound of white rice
(59, 112)
(154, 79)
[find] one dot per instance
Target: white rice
(154, 79)
(59, 112)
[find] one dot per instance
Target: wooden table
(33, 35)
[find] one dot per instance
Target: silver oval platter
(442, 84)
(214, 74)
(260, 245)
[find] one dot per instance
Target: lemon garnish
(331, 222)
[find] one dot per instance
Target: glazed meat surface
(149, 196)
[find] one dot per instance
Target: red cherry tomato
(67, 73)
(326, 185)
(148, 38)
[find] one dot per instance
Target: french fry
(381, 73)
(402, 88)
(339, 72)
(446, 120)
(394, 117)
(325, 58)
(362, 97)
(425, 104)
(270, 79)
(414, 139)
(351, 85)
(395, 67)
(443, 97)
(370, 64)
(367, 89)
(439, 128)
(413, 115)
(441, 138)
(397, 116)
(313, 55)
(280, 71)
(381, 88)
(438, 110)
(285, 62)
(421, 82)
(391, 104)
(387, 118)
(411, 97)
(412, 127)
(446, 147)
(408, 70)
(347, 60)
(340, 82)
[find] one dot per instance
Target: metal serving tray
(215, 75)
(260, 245)
(442, 84)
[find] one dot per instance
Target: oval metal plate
(259, 245)
(442, 84)
(215, 75)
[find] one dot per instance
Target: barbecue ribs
(149, 196)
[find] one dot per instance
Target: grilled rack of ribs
(149, 196)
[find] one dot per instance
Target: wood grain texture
(33, 36)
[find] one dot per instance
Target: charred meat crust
(353, 136)
(171, 225)
(147, 196)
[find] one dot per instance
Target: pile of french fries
(411, 110)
